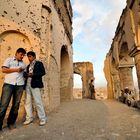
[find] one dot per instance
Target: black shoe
(11, 126)
(0, 129)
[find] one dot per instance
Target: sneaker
(42, 122)
(28, 121)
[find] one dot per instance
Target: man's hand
(29, 74)
(20, 69)
(11, 70)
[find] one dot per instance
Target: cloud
(94, 25)
(84, 12)
(94, 20)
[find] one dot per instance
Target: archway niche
(65, 80)
(126, 64)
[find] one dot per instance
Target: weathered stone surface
(41, 27)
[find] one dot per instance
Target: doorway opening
(77, 89)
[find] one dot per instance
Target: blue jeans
(36, 95)
(7, 92)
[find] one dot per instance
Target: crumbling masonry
(124, 53)
(44, 26)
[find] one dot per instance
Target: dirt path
(83, 120)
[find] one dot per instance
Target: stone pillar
(84, 89)
(116, 84)
(126, 77)
(137, 64)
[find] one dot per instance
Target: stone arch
(65, 79)
(123, 53)
(126, 64)
(85, 69)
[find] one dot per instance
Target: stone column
(126, 77)
(84, 89)
(85, 83)
(116, 84)
(137, 64)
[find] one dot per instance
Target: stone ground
(83, 120)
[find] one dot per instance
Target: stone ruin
(124, 53)
(44, 26)
(85, 70)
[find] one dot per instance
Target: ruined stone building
(124, 53)
(44, 26)
(85, 70)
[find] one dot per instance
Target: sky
(94, 26)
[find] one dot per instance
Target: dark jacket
(91, 87)
(38, 72)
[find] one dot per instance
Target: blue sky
(94, 26)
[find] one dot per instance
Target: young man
(13, 86)
(34, 72)
(92, 90)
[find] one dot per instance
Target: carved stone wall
(124, 53)
(44, 26)
(85, 70)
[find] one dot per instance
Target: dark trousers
(9, 91)
(92, 96)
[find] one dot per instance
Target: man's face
(19, 56)
(31, 58)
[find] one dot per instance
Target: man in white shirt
(13, 86)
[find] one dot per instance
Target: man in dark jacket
(92, 90)
(33, 77)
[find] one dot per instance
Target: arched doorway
(77, 90)
(65, 79)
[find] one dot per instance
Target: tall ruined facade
(124, 53)
(44, 26)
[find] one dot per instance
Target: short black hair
(21, 50)
(31, 53)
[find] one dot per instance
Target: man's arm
(10, 70)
